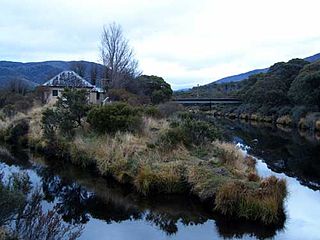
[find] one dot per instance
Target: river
(110, 211)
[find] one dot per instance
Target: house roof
(68, 79)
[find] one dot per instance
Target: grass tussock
(285, 120)
(234, 158)
(259, 201)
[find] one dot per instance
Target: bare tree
(117, 55)
(93, 73)
(17, 85)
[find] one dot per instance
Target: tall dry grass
(233, 157)
(260, 201)
(285, 120)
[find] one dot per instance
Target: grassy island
(153, 151)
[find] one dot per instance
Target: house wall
(92, 96)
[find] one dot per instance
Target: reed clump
(259, 201)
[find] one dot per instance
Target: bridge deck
(207, 100)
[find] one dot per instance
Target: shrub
(262, 202)
(173, 136)
(199, 132)
(152, 111)
(286, 110)
(169, 108)
(190, 132)
(72, 106)
(114, 117)
(17, 131)
(50, 123)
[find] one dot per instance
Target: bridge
(206, 101)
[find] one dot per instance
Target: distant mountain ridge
(35, 73)
(242, 76)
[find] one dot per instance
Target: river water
(110, 211)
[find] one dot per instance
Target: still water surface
(110, 211)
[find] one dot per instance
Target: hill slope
(242, 76)
(34, 73)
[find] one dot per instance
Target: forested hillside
(288, 93)
(34, 73)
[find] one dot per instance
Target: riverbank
(157, 160)
(311, 121)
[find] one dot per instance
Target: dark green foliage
(17, 131)
(152, 111)
(73, 106)
(286, 110)
(305, 89)
(67, 115)
(174, 136)
(155, 87)
(114, 117)
(50, 123)
(190, 131)
(271, 88)
(199, 132)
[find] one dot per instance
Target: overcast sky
(186, 42)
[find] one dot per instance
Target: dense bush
(13, 102)
(123, 95)
(50, 123)
(17, 131)
(305, 89)
(190, 132)
(152, 111)
(114, 117)
(169, 108)
(155, 87)
(67, 115)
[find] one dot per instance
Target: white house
(69, 79)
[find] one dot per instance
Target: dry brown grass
(285, 120)
(260, 201)
(231, 156)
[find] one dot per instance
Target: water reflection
(84, 197)
(294, 153)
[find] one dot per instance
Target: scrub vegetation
(287, 94)
(155, 150)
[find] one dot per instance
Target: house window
(98, 95)
(55, 93)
